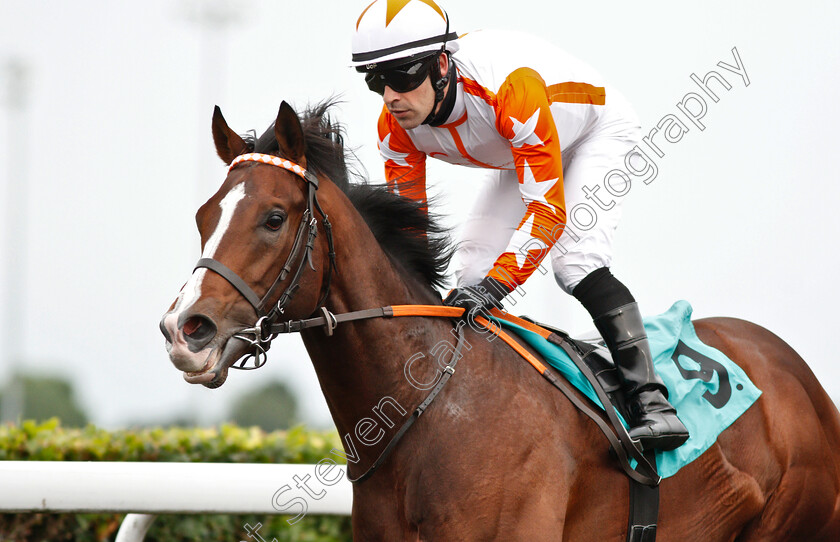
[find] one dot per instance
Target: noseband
(260, 336)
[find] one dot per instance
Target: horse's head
(257, 237)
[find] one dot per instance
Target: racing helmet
(391, 33)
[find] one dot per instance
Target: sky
(105, 164)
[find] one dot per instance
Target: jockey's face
(411, 108)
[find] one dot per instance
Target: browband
(275, 161)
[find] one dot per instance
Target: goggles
(401, 79)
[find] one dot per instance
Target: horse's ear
(228, 143)
(289, 134)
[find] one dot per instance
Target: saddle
(594, 361)
(594, 353)
(719, 385)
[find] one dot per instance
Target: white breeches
(586, 243)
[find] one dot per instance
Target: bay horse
(500, 455)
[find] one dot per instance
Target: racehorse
(500, 455)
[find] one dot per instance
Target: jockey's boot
(653, 420)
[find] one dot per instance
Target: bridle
(260, 336)
(268, 326)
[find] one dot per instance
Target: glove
(478, 298)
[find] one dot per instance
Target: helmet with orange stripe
(397, 43)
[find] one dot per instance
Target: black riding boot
(653, 420)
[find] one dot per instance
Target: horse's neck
(364, 362)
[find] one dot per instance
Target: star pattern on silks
(525, 132)
(522, 237)
(398, 158)
(395, 6)
(537, 190)
(534, 192)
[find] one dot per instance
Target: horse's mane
(400, 225)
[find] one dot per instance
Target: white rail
(172, 488)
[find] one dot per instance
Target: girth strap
(644, 510)
(644, 480)
(619, 440)
(649, 476)
(614, 431)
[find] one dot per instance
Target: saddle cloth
(708, 389)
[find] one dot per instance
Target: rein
(268, 326)
(620, 441)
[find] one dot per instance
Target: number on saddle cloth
(708, 389)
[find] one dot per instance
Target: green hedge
(228, 444)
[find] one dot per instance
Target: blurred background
(106, 153)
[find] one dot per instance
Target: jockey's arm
(523, 116)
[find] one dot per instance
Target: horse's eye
(275, 221)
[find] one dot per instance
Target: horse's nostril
(192, 325)
(199, 329)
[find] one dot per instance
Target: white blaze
(192, 289)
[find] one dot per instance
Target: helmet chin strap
(440, 84)
(443, 93)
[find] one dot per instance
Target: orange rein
(620, 443)
(454, 312)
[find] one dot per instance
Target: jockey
(541, 124)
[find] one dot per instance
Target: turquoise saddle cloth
(708, 389)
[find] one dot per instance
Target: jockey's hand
(478, 298)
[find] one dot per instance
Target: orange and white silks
(521, 106)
